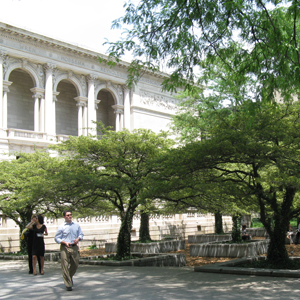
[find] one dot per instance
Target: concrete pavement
(142, 283)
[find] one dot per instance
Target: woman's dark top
(38, 246)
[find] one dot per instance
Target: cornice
(65, 46)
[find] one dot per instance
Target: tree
(112, 173)
(24, 187)
(255, 158)
(253, 39)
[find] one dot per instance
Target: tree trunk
(144, 228)
(218, 223)
(236, 229)
(277, 254)
(124, 237)
(25, 219)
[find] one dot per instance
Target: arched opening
(105, 112)
(66, 109)
(20, 104)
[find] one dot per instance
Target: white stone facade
(52, 89)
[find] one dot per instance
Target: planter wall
(259, 232)
(206, 238)
(252, 248)
(156, 247)
(162, 260)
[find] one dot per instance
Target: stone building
(52, 89)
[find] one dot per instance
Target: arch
(105, 111)
(111, 89)
(37, 82)
(20, 103)
(71, 78)
(66, 109)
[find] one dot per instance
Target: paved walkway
(142, 283)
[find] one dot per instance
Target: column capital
(125, 89)
(3, 54)
(38, 92)
(55, 94)
(49, 67)
(119, 109)
(96, 101)
(91, 78)
(6, 84)
(81, 101)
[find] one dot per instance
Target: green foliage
(25, 187)
(111, 173)
(255, 42)
(256, 223)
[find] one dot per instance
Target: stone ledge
(159, 260)
(229, 267)
(206, 238)
(155, 247)
(52, 256)
(249, 249)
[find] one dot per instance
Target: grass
(255, 223)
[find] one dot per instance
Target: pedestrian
(38, 245)
(29, 236)
(297, 235)
(245, 235)
(68, 235)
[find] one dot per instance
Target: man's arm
(80, 235)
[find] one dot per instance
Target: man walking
(68, 235)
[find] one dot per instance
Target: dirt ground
(293, 250)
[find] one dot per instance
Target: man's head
(68, 216)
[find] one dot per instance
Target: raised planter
(206, 238)
(251, 248)
(52, 256)
(155, 247)
(157, 260)
(259, 232)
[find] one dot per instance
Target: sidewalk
(142, 283)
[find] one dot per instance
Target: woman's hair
(244, 226)
(41, 219)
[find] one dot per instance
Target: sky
(85, 23)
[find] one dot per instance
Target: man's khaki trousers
(69, 263)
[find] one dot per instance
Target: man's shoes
(30, 272)
(69, 288)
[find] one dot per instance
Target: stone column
(81, 102)
(126, 93)
(91, 108)
(6, 84)
(2, 58)
(84, 120)
(49, 101)
(39, 112)
(119, 116)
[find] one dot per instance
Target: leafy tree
(112, 173)
(255, 159)
(24, 185)
(252, 39)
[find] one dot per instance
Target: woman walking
(38, 245)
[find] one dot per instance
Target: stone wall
(100, 229)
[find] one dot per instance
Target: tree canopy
(111, 174)
(253, 39)
(255, 159)
(25, 187)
